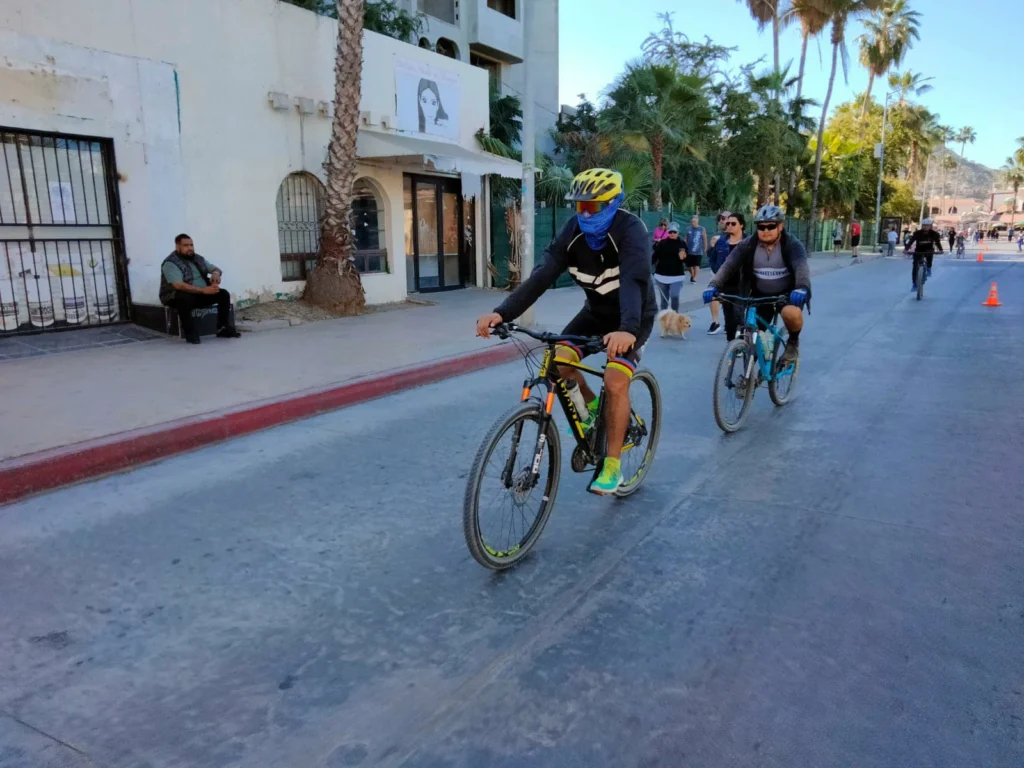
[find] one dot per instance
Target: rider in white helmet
(772, 263)
(927, 242)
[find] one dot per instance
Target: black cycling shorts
(587, 323)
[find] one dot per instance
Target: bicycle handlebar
(732, 299)
(504, 330)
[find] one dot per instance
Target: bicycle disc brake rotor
(522, 485)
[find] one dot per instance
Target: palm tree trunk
(657, 156)
(867, 95)
(799, 93)
(944, 153)
(334, 282)
(775, 38)
(821, 136)
(959, 167)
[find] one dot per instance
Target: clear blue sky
(970, 48)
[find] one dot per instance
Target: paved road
(839, 584)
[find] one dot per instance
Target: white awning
(438, 154)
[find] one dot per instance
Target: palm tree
(966, 136)
(766, 12)
(946, 135)
(656, 105)
(1018, 154)
(888, 35)
(840, 12)
(923, 128)
(1013, 174)
(813, 21)
(334, 282)
(908, 84)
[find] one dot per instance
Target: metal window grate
(300, 211)
(61, 247)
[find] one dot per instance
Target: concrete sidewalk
(60, 401)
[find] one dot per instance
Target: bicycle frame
(554, 385)
(753, 326)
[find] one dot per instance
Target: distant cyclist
(925, 242)
(608, 253)
(960, 245)
(771, 263)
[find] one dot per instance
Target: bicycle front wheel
(512, 487)
(919, 278)
(733, 392)
(780, 388)
(643, 432)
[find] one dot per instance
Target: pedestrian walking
(720, 248)
(952, 238)
(837, 238)
(669, 268)
(734, 225)
(854, 236)
(661, 231)
(696, 247)
(892, 237)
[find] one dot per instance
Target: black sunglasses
(767, 227)
(732, 223)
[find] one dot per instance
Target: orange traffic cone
(993, 298)
(980, 257)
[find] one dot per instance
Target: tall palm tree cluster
(714, 135)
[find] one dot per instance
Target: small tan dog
(673, 323)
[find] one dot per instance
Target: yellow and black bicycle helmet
(597, 184)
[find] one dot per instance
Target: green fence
(549, 221)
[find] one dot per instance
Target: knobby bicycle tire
(741, 347)
(653, 432)
(775, 386)
(528, 411)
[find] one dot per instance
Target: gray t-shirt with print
(771, 275)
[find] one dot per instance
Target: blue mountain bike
(752, 358)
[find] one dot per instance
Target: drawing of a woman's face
(428, 103)
(431, 110)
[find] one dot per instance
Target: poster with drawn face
(427, 99)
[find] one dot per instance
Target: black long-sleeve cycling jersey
(928, 241)
(616, 279)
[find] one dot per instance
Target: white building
(125, 122)
(490, 34)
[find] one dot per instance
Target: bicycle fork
(509, 473)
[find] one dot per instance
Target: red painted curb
(45, 470)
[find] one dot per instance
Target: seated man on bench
(187, 282)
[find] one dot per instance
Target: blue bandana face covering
(595, 227)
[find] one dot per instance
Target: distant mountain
(976, 180)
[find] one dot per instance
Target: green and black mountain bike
(514, 480)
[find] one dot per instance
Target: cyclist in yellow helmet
(608, 253)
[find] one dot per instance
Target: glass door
(433, 208)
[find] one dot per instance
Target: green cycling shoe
(609, 480)
(593, 407)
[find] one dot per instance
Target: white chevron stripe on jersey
(608, 287)
(583, 277)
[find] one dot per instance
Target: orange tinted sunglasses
(590, 206)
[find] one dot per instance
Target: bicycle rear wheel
(919, 278)
(780, 388)
(643, 432)
(733, 392)
(505, 509)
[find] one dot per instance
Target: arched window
(447, 48)
(368, 227)
(300, 209)
(424, 43)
